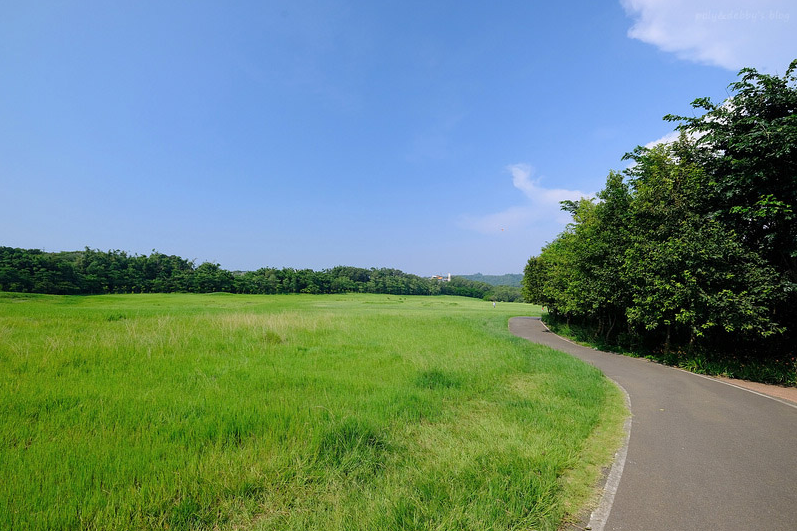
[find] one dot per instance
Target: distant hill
(496, 280)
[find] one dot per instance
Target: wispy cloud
(541, 205)
(666, 139)
(521, 179)
(727, 33)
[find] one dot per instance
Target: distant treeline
(693, 247)
(513, 280)
(97, 272)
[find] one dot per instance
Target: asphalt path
(702, 455)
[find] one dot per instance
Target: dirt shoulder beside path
(775, 391)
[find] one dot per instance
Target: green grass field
(291, 412)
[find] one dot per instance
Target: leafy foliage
(695, 244)
(748, 145)
(510, 279)
(97, 272)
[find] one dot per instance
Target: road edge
(600, 515)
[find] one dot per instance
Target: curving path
(702, 454)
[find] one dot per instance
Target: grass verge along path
(290, 412)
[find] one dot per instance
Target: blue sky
(432, 137)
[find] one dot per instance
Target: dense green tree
(748, 147)
(696, 243)
(503, 293)
(466, 288)
(513, 280)
(602, 240)
(210, 277)
(16, 269)
(687, 272)
(534, 281)
(576, 276)
(92, 271)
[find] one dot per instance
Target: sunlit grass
(287, 412)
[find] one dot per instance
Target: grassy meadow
(333, 412)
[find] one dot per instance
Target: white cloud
(521, 178)
(666, 139)
(731, 34)
(542, 205)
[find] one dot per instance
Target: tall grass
(286, 412)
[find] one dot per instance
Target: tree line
(98, 272)
(510, 279)
(694, 246)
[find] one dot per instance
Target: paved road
(702, 455)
